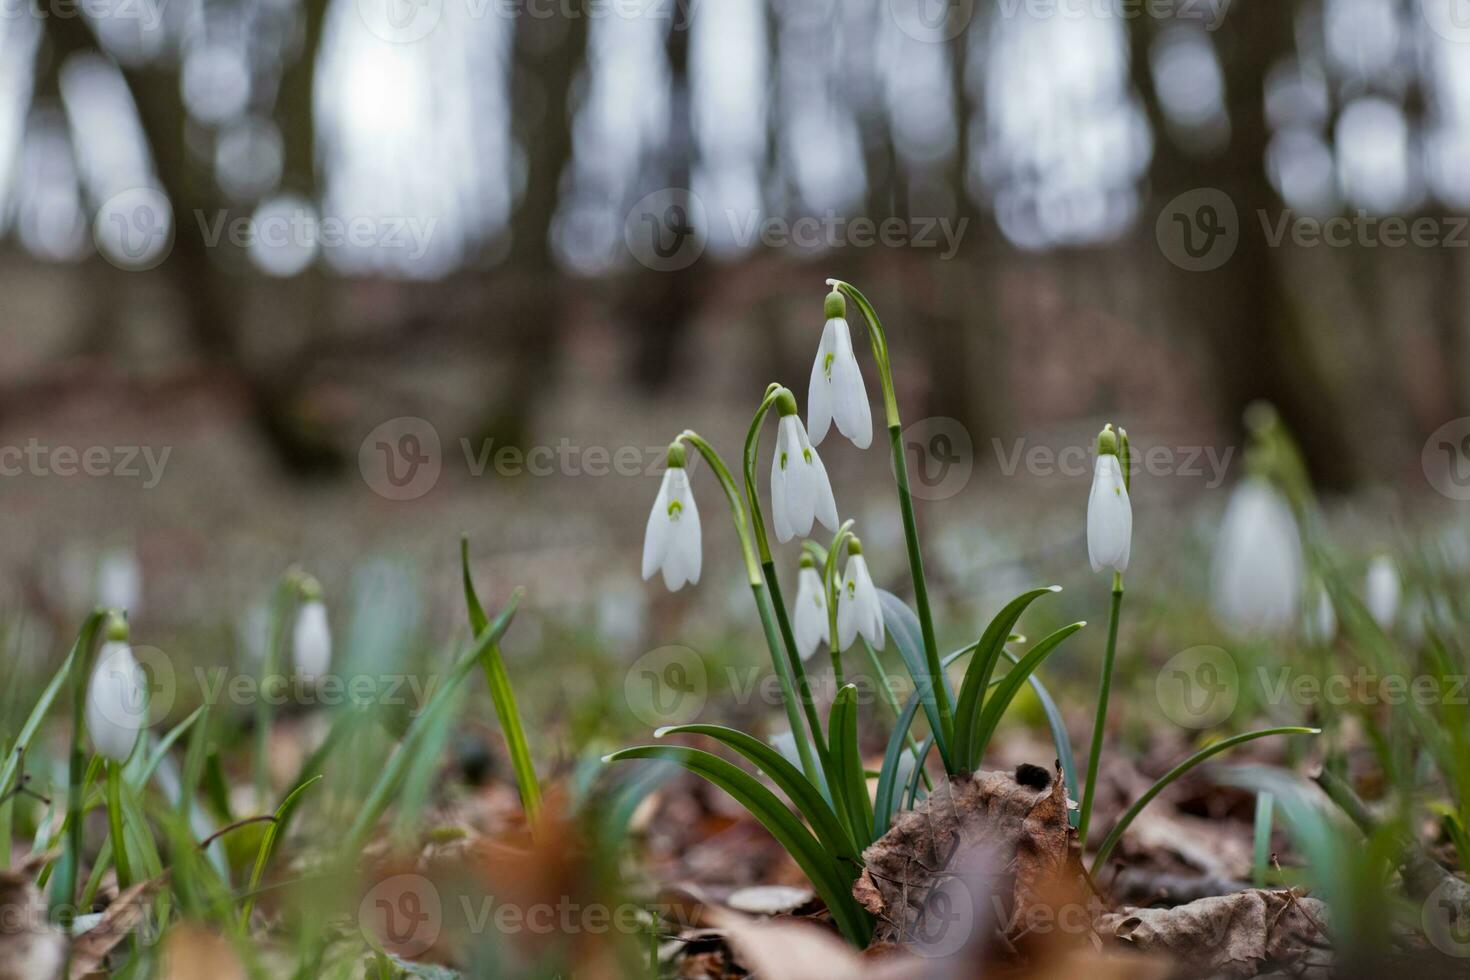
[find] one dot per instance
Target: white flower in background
(672, 541)
(1109, 513)
(120, 581)
(785, 743)
(800, 491)
(117, 697)
(1383, 591)
(812, 624)
(858, 610)
(836, 391)
(311, 640)
(1258, 570)
(1320, 625)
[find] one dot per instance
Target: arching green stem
(905, 498)
(754, 575)
(1101, 718)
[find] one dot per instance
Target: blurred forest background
(496, 159)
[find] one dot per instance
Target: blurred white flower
(1383, 591)
(858, 610)
(1109, 516)
(672, 541)
(800, 491)
(117, 701)
(836, 391)
(120, 581)
(812, 624)
(1320, 623)
(311, 641)
(785, 743)
(1258, 569)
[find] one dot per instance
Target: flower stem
(1100, 721)
(64, 879)
(754, 574)
(829, 582)
(115, 825)
(905, 502)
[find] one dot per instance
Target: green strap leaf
(268, 848)
(903, 626)
(503, 696)
(885, 803)
(977, 676)
(830, 882)
(1116, 834)
(849, 781)
(1010, 685)
(1059, 737)
(788, 779)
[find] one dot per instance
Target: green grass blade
(788, 779)
(849, 781)
(921, 757)
(268, 848)
(1116, 834)
(885, 803)
(903, 626)
(1010, 685)
(382, 791)
(1261, 856)
(1059, 737)
(831, 882)
(79, 664)
(503, 695)
(161, 748)
(977, 676)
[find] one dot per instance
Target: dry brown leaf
(1239, 935)
(31, 948)
(789, 949)
(192, 952)
(89, 950)
(981, 847)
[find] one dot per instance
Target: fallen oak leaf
(90, 949)
(31, 946)
(791, 949)
(1239, 935)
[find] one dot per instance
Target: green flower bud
(117, 629)
(1107, 441)
(835, 305)
(854, 546)
(309, 588)
(785, 403)
(675, 458)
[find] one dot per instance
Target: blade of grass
(268, 848)
(64, 883)
(849, 782)
(1010, 685)
(1261, 859)
(503, 696)
(1116, 834)
(901, 623)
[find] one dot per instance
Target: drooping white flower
(812, 624)
(672, 541)
(120, 581)
(800, 490)
(311, 640)
(1109, 512)
(837, 391)
(1320, 625)
(858, 610)
(1258, 569)
(1383, 591)
(117, 698)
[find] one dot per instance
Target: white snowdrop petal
(780, 505)
(1383, 591)
(819, 396)
(1109, 517)
(811, 625)
(824, 504)
(1258, 568)
(656, 533)
(117, 703)
(311, 642)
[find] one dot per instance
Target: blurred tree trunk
(546, 56)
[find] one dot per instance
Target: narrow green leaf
(1116, 834)
(79, 664)
(903, 626)
(849, 783)
(977, 676)
(503, 696)
(1059, 737)
(788, 779)
(1261, 859)
(885, 803)
(1010, 685)
(268, 847)
(830, 882)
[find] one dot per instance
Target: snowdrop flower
(1258, 570)
(800, 491)
(837, 391)
(120, 580)
(311, 640)
(672, 540)
(117, 697)
(812, 625)
(858, 610)
(1109, 513)
(1321, 620)
(1383, 591)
